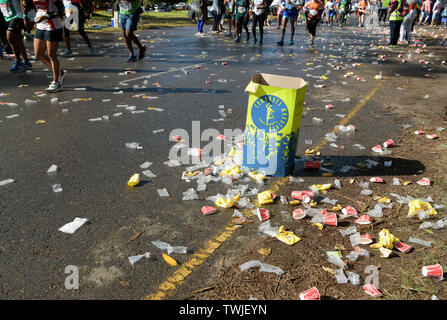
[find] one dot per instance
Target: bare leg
(128, 42)
(39, 52)
(67, 39)
(85, 37)
(133, 38)
(17, 45)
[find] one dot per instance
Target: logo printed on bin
(269, 113)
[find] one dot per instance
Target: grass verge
(101, 21)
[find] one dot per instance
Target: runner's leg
(67, 39)
(254, 22)
(39, 52)
(52, 55)
(292, 29)
(128, 41)
(262, 19)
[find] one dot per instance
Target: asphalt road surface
(94, 164)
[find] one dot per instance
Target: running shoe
(16, 67)
(237, 40)
(90, 51)
(62, 74)
(54, 87)
(142, 53)
(291, 42)
(280, 43)
(67, 53)
(27, 66)
(132, 58)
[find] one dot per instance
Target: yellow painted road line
(173, 282)
(354, 111)
(168, 287)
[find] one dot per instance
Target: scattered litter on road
(5, 182)
(71, 227)
(133, 259)
(264, 267)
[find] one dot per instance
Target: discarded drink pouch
(134, 180)
(417, 206)
(322, 187)
(287, 236)
(386, 239)
(224, 203)
(275, 107)
(265, 197)
(169, 260)
(257, 176)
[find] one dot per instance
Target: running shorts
(16, 25)
(49, 35)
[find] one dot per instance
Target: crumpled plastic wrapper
(421, 209)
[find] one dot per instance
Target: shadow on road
(361, 166)
(153, 90)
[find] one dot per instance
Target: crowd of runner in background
(51, 23)
(400, 15)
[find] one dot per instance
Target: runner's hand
(40, 19)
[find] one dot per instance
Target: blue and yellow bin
(275, 107)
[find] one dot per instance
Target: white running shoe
(54, 87)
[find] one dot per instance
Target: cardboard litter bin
(275, 107)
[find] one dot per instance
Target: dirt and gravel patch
(421, 100)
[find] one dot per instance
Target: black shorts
(16, 26)
(49, 35)
(311, 26)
